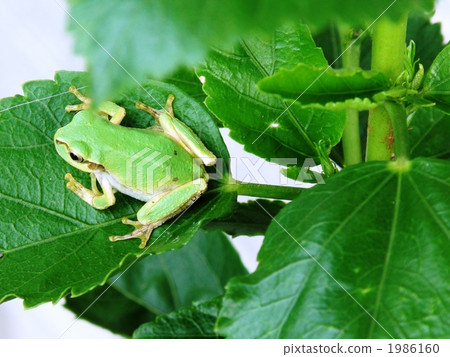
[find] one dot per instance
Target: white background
(34, 44)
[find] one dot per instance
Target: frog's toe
(68, 177)
(135, 224)
(143, 233)
(75, 186)
(146, 108)
(76, 107)
(71, 181)
(145, 237)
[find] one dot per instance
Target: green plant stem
(267, 191)
(379, 136)
(388, 46)
(397, 114)
(351, 140)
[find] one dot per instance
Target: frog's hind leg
(168, 109)
(179, 131)
(161, 208)
(155, 113)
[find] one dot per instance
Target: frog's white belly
(115, 183)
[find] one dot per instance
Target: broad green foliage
(436, 85)
(321, 13)
(303, 174)
(196, 321)
(198, 271)
(382, 231)
(364, 254)
(426, 36)
(113, 310)
(429, 133)
(186, 80)
(154, 37)
(160, 284)
(249, 218)
(50, 241)
(328, 39)
(233, 96)
(325, 87)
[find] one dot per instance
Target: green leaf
(381, 231)
(429, 133)
(436, 85)
(112, 311)
(427, 37)
(51, 242)
(198, 271)
(327, 88)
(321, 13)
(303, 174)
(186, 80)
(365, 59)
(126, 41)
(231, 78)
(160, 284)
(248, 218)
(196, 321)
(328, 39)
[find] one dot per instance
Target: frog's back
(145, 160)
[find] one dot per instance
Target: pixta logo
(256, 171)
(148, 169)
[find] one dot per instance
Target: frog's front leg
(94, 197)
(179, 131)
(116, 112)
(111, 109)
(161, 208)
(85, 101)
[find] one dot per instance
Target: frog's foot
(108, 110)
(86, 102)
(179, 131)
(76, 107)
(77, 188)
(146, 108)
(142, 232)
(135, 224)
(77, 93)
(93, 197)
(155, 112)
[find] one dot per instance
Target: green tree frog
(162, 165)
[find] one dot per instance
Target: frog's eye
(76, 158)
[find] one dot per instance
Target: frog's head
(72, 146)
